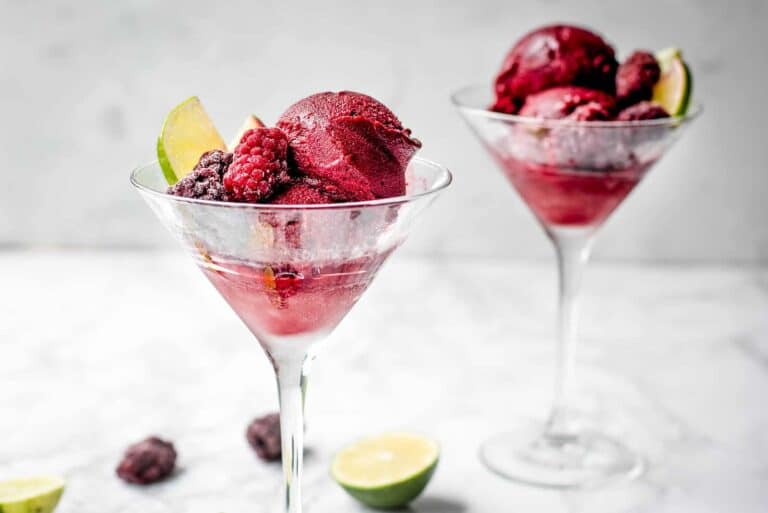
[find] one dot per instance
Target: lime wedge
(673, 90)
(187, 133)
(250, 122)
(386, 471)
(30, 495)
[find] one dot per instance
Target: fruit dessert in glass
(574, 132)
(291, 223)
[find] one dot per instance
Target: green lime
(30, 495)
(386, 471)
(673, 90)
(187, 133)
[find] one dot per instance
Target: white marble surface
(100, 349)
(84, 87)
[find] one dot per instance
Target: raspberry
(506, 104)
(263, 434)
(216, 159)
(284, 281)
(259, 166)
(148, 461)
(202, 183)
(641, 111)
(636, 77)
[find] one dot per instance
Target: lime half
(187, 133)
(30, 495)
(386, 471)
(673, 90)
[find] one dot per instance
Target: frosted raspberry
(259, 165)
(148, 461)
(636, 77)
(642, 111)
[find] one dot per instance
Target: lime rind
(388, 493)
(394, 495)
(165, 164)
(186, 134)
(673, 90)
(31, 495)
(162, 155)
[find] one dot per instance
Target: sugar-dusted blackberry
(147, 462)
(263, 434)
(215, 159)
(204, 183)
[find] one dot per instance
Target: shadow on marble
(436, 504)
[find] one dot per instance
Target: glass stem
(291, 384)
(573, 247)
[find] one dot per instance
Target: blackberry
(148, 461)
(204, 183)
(263, 435)
(215, 159)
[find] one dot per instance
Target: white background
(84, 87)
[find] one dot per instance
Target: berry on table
(148, 461)
(263, 435)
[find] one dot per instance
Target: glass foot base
(582, 460)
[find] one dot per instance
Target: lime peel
(673, 89)
(187, 133)
(388, 470)
(31, 495)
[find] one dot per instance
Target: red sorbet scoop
(577, 103)
(556, 55)
(350, 142)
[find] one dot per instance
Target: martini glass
(572, 175)
(292, 272)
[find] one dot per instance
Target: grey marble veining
(101, 349)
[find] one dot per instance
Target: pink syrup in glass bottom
(292, 299)
(571, 197)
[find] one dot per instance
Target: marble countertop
(99, 349)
